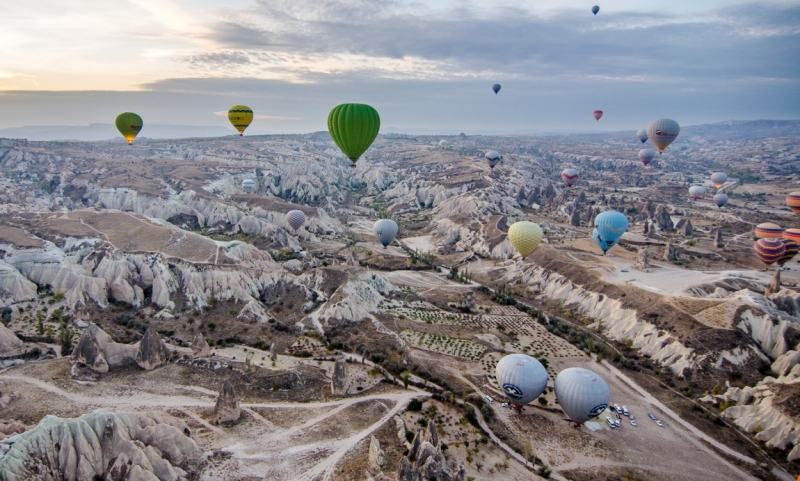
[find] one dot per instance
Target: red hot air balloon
(569, 176)
(791, 250)
(770, 251)
(597, 114)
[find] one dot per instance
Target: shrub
(415, 405)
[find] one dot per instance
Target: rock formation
(575, 219)
(352, 259)
(718, 242)
(152, 350)
(775, 284)
(684, 227)
(641, 259)
(425, 460)
(377, 458)
(8, 340)
(273, 354)
(662, 218)
(670, 253)
(227, 408)
(97, 351)
(467, 302)
(431, 435)
(200, 347)
(339, 380)
(646, 228)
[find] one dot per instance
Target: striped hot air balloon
(791, 250)
(793, 201)
(569, 176)
(793, 234)
(768, 230)
(770, 251)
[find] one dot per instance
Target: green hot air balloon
(129, 124)
(353, 127)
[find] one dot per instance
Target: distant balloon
(791, 250)
(721, 199)
(597, 114)
(768, 230)
(522, 378)
(793, 201)
(496, 88)
(793, 234)
(129, 125)
(353, 127)
(642, 135)
(525, 236)
(595, 9)
(240, 116)
(696, 191)
(443, 144)
(611, 225)
(647, 155)
(295, 218)
(493, 158)
(603, 245)
(569, 176)
(249, 186)
(770, 251)
(663, 132)
(719, 179)
(582, 394)
(386, 230)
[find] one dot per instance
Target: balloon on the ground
(611, 225)
(603, 245)
(496, 88)
(793, 234)
(791, 250)
(353, 127)
(582, 394)
(493, 158)
(719, 179)
(768, 230)
(793, 201)
(522, 378)
(129, 125)
(240, 116)
(647, 155)
(443, 144)
(770, 251)
(386, 230)
(696, 191)
(525, 236)
(721, 199)
(595, 9)
(597, 114)
(249, 185)
(295, 218)
(663, 132)
(569, 176)
(642, 135)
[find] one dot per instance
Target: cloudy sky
(425, 65)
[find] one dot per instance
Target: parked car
(633, 422)
(489, 399)
(505, 405)
(618, 423)
(660, 424)
(611, 423)
(652, 416)
(625, 410)
(617, 408)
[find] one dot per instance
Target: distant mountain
(745, 129)
(93, 132)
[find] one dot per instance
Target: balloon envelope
(642, 135)
(721, 199)
(240, 116)
(718, 179)
(249, 185)
(295, 218)
(793, 201)
(386, 230)
(582, 394)
(768, 230)
(353, 127)
(611, 225)
(496, 88)
(663, 132)
(791, 250)
(595, 9)
(603, 245)
(521, 377)
(569, 176)
(793, 234)
(647, 155)
(597, 114)
(525, 236)
(770, 251)
(696, 191)
(493, 158)
(129, 125)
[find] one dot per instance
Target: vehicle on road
(617, 408)
(489, 399)
(652, 416)
(623, 270)
(625, 410)
(660, 424)
(611, 423)
(505, 405)
(633, 422)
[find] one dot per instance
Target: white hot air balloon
(647, 156)
(249, 186)
(570, 176)
(719, 179)
(582, 394)
(642, 135)
(295, 218)
(386, 230)
(696, 191)
(663, 132)
(522, 378)
(493, 157)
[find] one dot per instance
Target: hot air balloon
(240, 117)
(522, 378)
(721, 199)
(793, 234)
(249, 186)
(525, 236)
(353, 127)
(663, 132)
(642, 135)
(597, 114)
(569, 176)
(595, 9)
(768, 230)
(496, 88)
(295, 218)
(646, 155)
(770, 251)
(719, 179)
(443, 144)
(386, 230)
(493, 158)
(603, 245)
(582, 394)
(696, 191)
(129, 125)
(611, 225)
(793, 201)
(791, 250)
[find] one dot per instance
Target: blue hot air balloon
(610, 226)
(496, 88)
(603, 245)
(595, 9)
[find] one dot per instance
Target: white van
(489, 399)
(625, 410)
(611, 423)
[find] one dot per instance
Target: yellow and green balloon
(129, 125)
(240, 117)
(525, 236)
(353, 127)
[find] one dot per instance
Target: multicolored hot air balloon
(610, 226)
(240, 116)
(793, 234)
(129, 125)
(386, 230)
(525, 236)
(493, 158)
(721, 199)
(295, 218)
(582, 394)
(719, 179)
(696, 191)
(663, 132)
(249, 186)
(791, 250)
(496, 88)
(793, 201)
(603, 245)
(522, 378)
(595, 9)
(642, 135)
(597, 114)
(768, 230)
(646, 156)
(770, 251)
(569, 176)
(353, 127)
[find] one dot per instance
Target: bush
(488, 412)
(415, 405)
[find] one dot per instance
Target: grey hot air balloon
(696, 191)
(496, 88)
(719, 179)
(663, 132)
(647, 156)
(386, 230)
(642, 135)
(521, 377)
(721, 199)
(582, 394)
(249, 186)
(295, 218)
(493, 158)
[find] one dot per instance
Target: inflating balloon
(597, 114)
(793, 201)
(295, 218)
(496, 88)
(522, 378)
(582, 394)
(249, 186)
(569, 176)
(768, 230)
(791, 250)
(493, 158)
(721, 199)
(595, 9)
(240, 117)
(129, 125)
(663, 132)
(770, 251)
(386, 230)
(719, 179)
(642, 135)
(353, 127)
(647, 155)
(696, 191)
(525, 236)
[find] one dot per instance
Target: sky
(426, 66)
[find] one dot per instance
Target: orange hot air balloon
(793, 201)
(792, 234)
(770, 251)
(768, 230)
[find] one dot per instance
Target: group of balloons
(718, 179)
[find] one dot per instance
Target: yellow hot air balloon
(129, 125)
(240, 116)
(525, 236)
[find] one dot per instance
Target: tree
(405, 379)
(488, 412)
(527, 449)
(40, 324)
